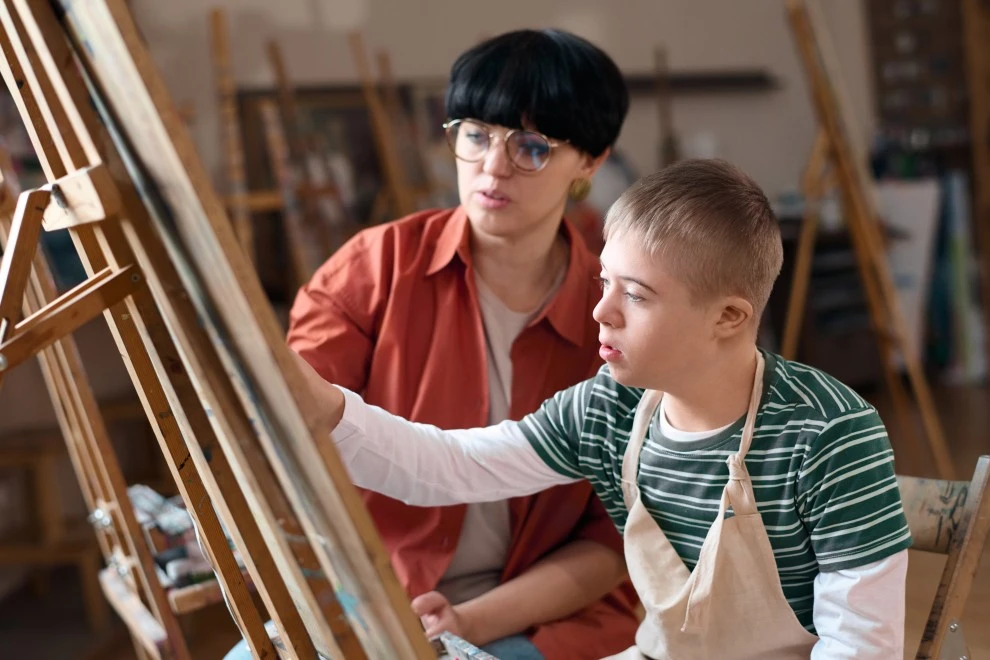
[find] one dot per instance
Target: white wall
(768, 134)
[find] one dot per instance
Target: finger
(428, 602)
(433, 629)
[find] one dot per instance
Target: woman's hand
(438, 616)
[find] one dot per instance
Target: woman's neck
(521, 270)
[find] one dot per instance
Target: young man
(756, 496)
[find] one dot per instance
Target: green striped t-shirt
(821, 464)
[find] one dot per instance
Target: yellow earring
(579, 189)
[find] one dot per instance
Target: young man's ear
(734, 317)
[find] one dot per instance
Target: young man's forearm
(562, 583)
(859, 612)
(424, 465)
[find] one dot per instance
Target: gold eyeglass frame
(554, 144)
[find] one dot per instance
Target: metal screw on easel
(953, 627)
(100, 519)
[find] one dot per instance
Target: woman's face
(501, 199)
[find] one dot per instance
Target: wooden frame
(200, 341)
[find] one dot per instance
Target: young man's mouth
(609, 353)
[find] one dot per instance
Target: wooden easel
(233, 150)
(976, 26)
(835, 147)
(398, 197)
(130, 574)
(200, 342)
(409, 146)
(238, 198)
(307, 248)
(315, 218)
(316, 185)
(667, 151)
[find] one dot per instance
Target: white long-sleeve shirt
(858, 612)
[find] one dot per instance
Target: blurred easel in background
(837, 146)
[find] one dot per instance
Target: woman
(489, 304)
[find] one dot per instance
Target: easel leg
(20, 244)
(813, 188)
(96, 604)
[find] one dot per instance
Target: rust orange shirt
(394, 316)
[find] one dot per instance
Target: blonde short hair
(708, 223)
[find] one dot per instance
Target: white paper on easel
(911, 208)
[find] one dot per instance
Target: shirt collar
(566, 309)
(454, 239)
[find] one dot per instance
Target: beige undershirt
(477, 564)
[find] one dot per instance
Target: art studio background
(710, 78)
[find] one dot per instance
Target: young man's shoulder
(810, 391)
(826, 420)
(599, 405)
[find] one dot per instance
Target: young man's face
(652, 334)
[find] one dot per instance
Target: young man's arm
(851, 505)
(859, 612)
(423, 465)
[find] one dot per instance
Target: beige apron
(731, 606)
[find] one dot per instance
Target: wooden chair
(950, 518)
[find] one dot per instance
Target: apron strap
(754, 407)
(630, 459)
(738, 491)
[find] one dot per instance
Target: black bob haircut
(558, 83)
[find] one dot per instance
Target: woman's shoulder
(410, 229)
(390, 243)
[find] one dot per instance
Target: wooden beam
(233, 149)
(142, 624)
(88, 195)
(19, 250)
(68, 313)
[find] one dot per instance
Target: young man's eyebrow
(630, 279)
(635, 281)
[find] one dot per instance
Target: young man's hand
(320, 398)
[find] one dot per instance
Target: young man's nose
(605, 312)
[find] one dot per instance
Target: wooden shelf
(683, 82)
(197, 596)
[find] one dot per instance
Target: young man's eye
(633, 297)
(602, 282)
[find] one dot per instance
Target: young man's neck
(717, 394)
(521, 270)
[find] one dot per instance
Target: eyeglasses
(528, 151)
